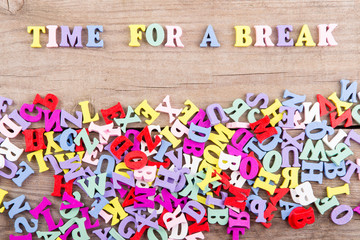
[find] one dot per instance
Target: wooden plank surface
(118, 72)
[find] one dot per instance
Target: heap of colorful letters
(207, 167)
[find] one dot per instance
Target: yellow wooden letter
(61, 158)
(332, 191)
(212, 154)
(51, 144)
(39, 156)
(271, 110)
(188, 112)
(2, 195)
(208, 179)
(86, 113)
(305, 36)
(114, 208)
(122, 169)
(135, 34)
(36, 35)
(266, 183)
(339, 104)
(222, 138)
(290, 175)
(147, 111)
(169, 136)
(242, 36)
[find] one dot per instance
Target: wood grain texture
(118, 72)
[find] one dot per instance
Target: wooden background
(118, 72)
